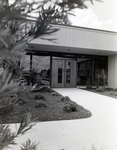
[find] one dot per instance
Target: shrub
(40, 103)
(45, 89)
(102, 78)
(70, 106)
(55, 94)
(32, 77)
(99, 89)
(6, 107)
(39, 96)
(65, 99)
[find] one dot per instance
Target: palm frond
(26, 124)
(6, 136)
(7, 85)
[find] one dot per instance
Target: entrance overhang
(74, 40)
(37, 49)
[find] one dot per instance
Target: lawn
(45, 106)
(107, 92)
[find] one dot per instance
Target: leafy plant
(32, 77)
(7, 85)
(71, 4)
(28, 145)
(7, 137)
(40, 103)
(65, 99)
(45, 89)
(6, 106)
(102, 78)
(39, 96)
(70, 106)
(12, 65)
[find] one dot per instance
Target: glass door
(57, 73)
(70, 73)
(63, 73)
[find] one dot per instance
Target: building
(77, 54)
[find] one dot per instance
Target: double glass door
(63, 73)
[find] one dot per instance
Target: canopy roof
(76, 40)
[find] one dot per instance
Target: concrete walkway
(99, 131)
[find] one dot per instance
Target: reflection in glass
(84, 72)
(60, 69)
(87, 69)
(42, 67)
(68, 72)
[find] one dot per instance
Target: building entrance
(63, 73)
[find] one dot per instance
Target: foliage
(70, 106)
(55, 94)
(40, 103)
(71, 4)
(18, 26)
(7, 137)
(32, 77)
(102, 78)
(99, 89)
(6, 106)
(65, 99)
(39, 96)
(61, 17)
(7, 85)
(12, 65)
(45, 89)
(28, 145)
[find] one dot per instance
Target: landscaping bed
(44, 106)
(107, 92)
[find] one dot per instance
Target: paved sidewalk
(99, 131)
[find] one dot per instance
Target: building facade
(76, 55)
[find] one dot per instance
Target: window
(60, 70)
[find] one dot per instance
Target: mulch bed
(49, 109)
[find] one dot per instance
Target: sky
(101, 15)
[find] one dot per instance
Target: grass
(107, 92)
(51, 108)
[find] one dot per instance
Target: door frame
(63, 84)
(73, 71)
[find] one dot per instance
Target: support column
(76, 70)
(112, 71)
(31, 57)
(92, 70)
(31, 68)
(51, 71)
